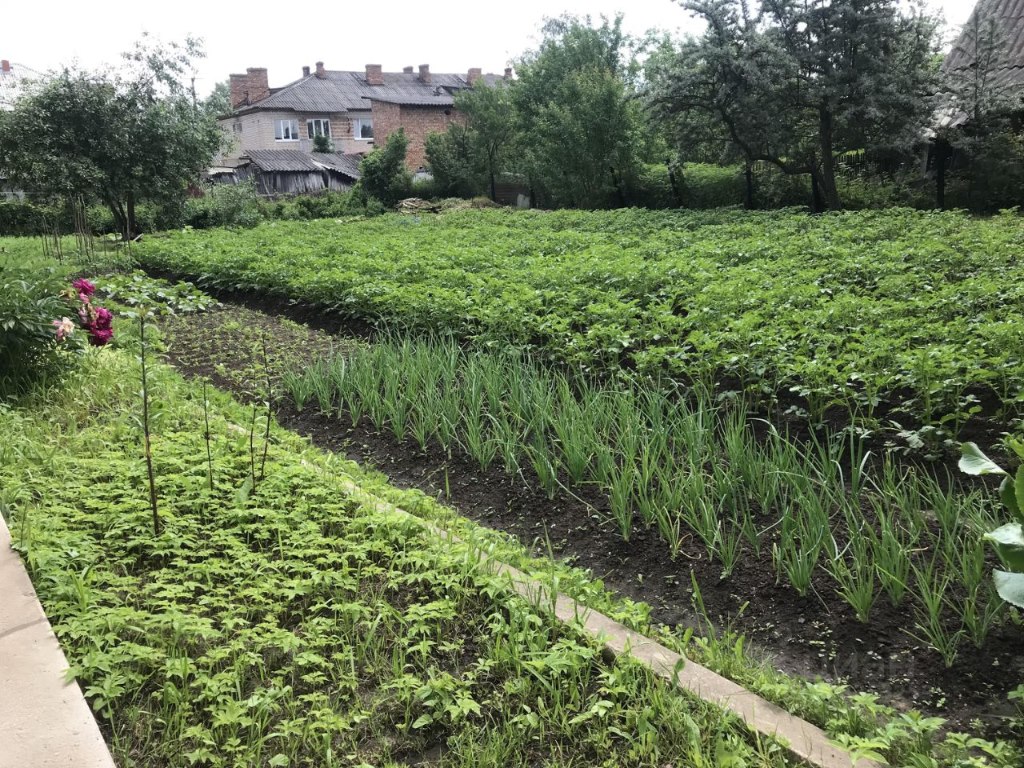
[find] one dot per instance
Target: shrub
(384, 175)
(426, 187)
(224, 205)
(651, 187)
(29, 303)
(20, 217)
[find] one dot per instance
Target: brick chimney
(407, 70)
(320, 71)
(508, 73)
(305, 71)
(424, 74)
(249, 88)
(473, 76)
(374, 74)
(259, 86)
(239, 90)
(5, 65)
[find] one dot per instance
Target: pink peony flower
(84, 288)
(64, 328)
(103, 319)
(99, 337)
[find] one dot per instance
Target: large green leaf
(1010, 587)
(974, 462)
(1009, 544)
(1008, 493)
(1018, 493)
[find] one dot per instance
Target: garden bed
(276, 620)
(813, 636)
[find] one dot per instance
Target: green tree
(121, 139)
(468, 157)
(383, 172)
(796, 83)
(455, 162)
(573, 101)
(218, 103)
(491, 126)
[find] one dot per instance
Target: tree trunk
(748, 177)
(133, 227)
(620, 192)
(677, 198)
(817, 201)
(941, 153)
(828, 161)
(494, 186)
(120, 218)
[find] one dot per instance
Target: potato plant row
(903, 321)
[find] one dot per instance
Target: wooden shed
(281, 172)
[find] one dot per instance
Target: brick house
(353, 108)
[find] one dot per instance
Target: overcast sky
(449, 35)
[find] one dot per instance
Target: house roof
(342, 91)
(12, 81)
(1007, 18)
(296, 161)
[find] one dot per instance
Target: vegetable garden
(903, 323)
(758, 409)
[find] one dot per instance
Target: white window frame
(323, 124)
(286, 130)
(357, 128)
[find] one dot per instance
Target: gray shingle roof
(1008, 19)
(345, 164)
(296, 161)
(342, 91)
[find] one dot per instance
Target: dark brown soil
(817, 636)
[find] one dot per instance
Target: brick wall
(249, 88)
(418, 122)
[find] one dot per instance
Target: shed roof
(342, 91)
(1006, 17)
(296, 161)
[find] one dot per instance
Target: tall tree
(797, 82)
(860, 71)
(119, 138)
(491, 123)
(573, 98)
(466, 159)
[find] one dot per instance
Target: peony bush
(41, 320)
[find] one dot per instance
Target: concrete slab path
(45, 722)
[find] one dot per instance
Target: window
(286, 130)
(318, 127)
(362, 128)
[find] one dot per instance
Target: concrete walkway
(44, 722)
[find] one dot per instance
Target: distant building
(354, 109)
(13, 77)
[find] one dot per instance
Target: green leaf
(974, 462)
(1018, 493)
(1008, 493)
(1010, 587)
(278, 761)
(1009, 545)
(422, 721)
